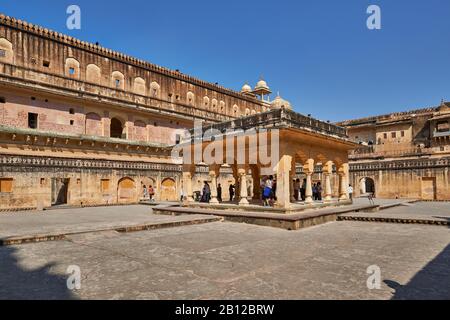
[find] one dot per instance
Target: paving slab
(236, 261)
(35, 226)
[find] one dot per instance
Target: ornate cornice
(53, 162)
(94, 48)
(401, 165)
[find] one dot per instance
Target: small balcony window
(442, 126)
(32, 120)
(2, 53)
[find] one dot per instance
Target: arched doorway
(168, 190)
(126, 191)
(116, 129)
(367, 185)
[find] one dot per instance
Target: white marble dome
(246, 88)
(279, 103)
(261, 85)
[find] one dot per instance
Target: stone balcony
(372, 153)
(279, 118)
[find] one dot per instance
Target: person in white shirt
(350, 192)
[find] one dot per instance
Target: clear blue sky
(319, 54)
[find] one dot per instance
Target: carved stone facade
(402, 155)
(84, 125)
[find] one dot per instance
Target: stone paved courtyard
(224, 260)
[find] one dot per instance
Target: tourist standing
(303, 190)
(319, 191)
(145, 192)
(350, 192)
(206, 193)
(181, 195)
(314, 191)
(297, 188)
(151, 193)
(219, 193)
(231, 190)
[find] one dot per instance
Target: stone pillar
(187, 183)
(328, 171)
(308, 169)
(106, 125)
(243, 187)
(343, 182)
(129, 128)
(213, 186)
(283, 184)
(292, 182)
(362, 186)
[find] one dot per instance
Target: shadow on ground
(430, 283)
(17, 283)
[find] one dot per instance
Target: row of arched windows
(117, 78)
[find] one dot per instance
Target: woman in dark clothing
(219, 193)
(319, 191)
(231, 190)
(206, 195)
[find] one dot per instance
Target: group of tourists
(148, 193)
(206, 193)
(268, 191)
(300, 190)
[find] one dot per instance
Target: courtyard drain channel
(395, 220)
(18, 240)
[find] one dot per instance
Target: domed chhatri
(444, 107)
(280, 103)
(262, 85)
(262, 90)
(246, 88)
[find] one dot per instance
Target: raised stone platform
(295, 220)
(61, 224)
(412, 212)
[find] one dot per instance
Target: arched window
(206, 102)
(6, 51)
(222, 106)
(214, 104)
(72, 68)
(118, 80)
(116, 129)
(93, 73)
(236, 112)
(155, 89)
(190, 98)
(139, 86)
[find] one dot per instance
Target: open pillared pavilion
(281, 143)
